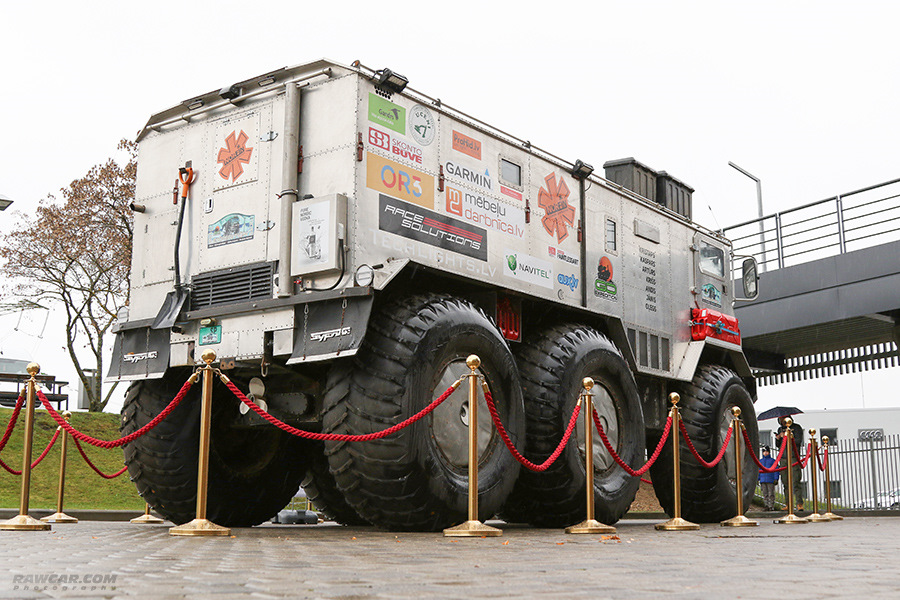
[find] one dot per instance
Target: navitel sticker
(422, 225)
(603, 285)
(422, 127)
(466, 145)
(471, 176)
(386, 113)
(396, 146)
(476, 208)
(230, 229)
(528, 269)
(400, 181)
(557, 210)
(711, 295)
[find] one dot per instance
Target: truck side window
(610, 235)
(712, 260)
(510, 172)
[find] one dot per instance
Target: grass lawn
(84, 488)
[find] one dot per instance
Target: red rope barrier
(495, 417)
(340, 437)
(94, 467)
(690, 445)
(122, 440)
(803, 461)
(823, 464)
(39, 458)
(647, 481)
(618, 459)
(752, 453)
(12, 420)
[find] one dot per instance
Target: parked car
(889, 499)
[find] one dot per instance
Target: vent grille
(650, 350)
(231, 286)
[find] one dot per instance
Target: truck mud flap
(330, 329)
(141, 353)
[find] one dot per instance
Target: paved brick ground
(854, 558)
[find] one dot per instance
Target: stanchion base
(200, 527)
(676, 524)
(739, 521)
(147, 520)
(590, 526)
(791, 519)
(817, 518)
(833, 517)
(23, 523)
(59, 517)
(472, 529)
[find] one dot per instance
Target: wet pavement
(853, 558)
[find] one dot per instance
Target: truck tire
(417, 478)
(552, 365)
(322, 491)
(253, 473)
(708, 495)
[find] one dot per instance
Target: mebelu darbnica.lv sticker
(231, 229)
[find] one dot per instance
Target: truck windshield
(712, 260)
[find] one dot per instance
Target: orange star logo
(234, 156)
(557, 210)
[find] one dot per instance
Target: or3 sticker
(230, 229)
(386, 113)
(210, 335)
(422, 127)
(400, 181)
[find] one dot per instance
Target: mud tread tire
(322, 490)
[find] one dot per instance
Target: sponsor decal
(230, 229)
(422, 127)
(234, 156)
(560, 255)
(322, 336)
(448, 259)
(710, 294)
(603, 285)
(528, 269)
(466, 145)
(557, 210)
(400, 181)
(394, 145)
(134, 357)
(386, 113)
(475, 208)
(648, 270)
(570, 281)
(429, 227)
(510, 192)
(210, 335)
(482, 180)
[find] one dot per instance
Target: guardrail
(850, 221)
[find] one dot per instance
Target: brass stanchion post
(790, 518)
(201, 525)
(60, 516)
(813, 479)
(473, 527)
(676, 523)
(147, 518)
(828, 512)
(589, 525)
(740, 520)
(23, 522)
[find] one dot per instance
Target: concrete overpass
(829, 298)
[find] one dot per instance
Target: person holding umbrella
(796, 471)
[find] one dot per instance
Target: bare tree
(77, 253)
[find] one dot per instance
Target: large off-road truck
(343, 243)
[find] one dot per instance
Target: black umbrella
(779, 411)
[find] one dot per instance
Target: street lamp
(762, 230)
(5, 201)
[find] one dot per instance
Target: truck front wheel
(253, 473)
(552, 364)
(417, 478)
(709, 495)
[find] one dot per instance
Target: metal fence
(843, 223)
(864, 474)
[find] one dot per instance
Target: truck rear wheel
(253, 473)
(552, 365)
(709, 495)
(417, 478)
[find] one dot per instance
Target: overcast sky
(803, 95)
